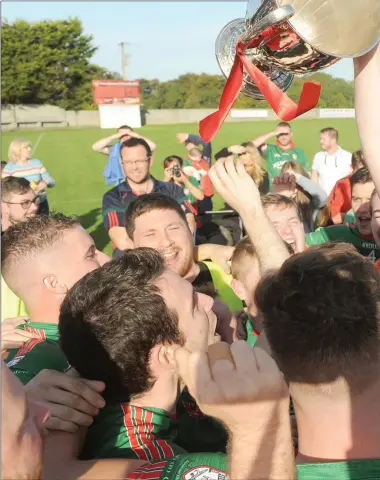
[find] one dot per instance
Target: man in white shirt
(332, 163)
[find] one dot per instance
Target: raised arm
(150, 142)
(367, 105)
(238, 189)
(319, 197)
(258, 141)
(103, 145)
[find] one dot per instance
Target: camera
(176, 171)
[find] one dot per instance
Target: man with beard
(157, 221)
(136, 158)
(147, 307)
(360, 236)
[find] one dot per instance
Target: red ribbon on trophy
(282, 105)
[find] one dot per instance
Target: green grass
(77, 170)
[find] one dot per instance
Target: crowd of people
(242, 345)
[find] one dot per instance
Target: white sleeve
(316, 162)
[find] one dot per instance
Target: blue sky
(167, 39)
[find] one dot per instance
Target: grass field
(77, 170)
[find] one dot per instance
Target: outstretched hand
(234, 185)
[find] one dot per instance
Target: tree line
(49, 62)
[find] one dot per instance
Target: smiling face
(196, 319)
(136, 163)
(288, 224)
(19, 207)
(167, 232)
(360, 202)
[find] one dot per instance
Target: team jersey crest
(204, 473)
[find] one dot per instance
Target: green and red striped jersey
(126, 431)
(199, 466)
(38, 353)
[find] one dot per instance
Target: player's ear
(53, 286)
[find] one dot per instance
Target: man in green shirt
(284, 150)
(359, 235)
(124, 313)
(41, 260)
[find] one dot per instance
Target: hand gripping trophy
(260, 54)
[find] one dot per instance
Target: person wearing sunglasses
(284, 150)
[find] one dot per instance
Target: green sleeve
(303, 160)
(34, 356)
(317, 238)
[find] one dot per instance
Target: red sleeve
(340, 197)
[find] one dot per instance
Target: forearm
(263, 139)
(197, 192)
(318, 195)
(119, 238)
(269, 246)
(60, 455)
(264, 451)
(104, 142)
(367, 106)
(315, 176)
(151, 144)
(49, 181)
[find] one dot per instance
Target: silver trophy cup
(298, 37)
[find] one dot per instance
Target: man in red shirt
(340, 196)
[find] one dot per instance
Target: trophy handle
(255, 34)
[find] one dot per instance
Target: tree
(48, 62)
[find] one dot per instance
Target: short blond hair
(14, 149)
(244, 252)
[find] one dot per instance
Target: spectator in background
(198, 168)
(359, 235)
(284, 150)
(294, 182)
(173, 172)
(193, 141)
(22, 165)
(113, 171)
(340, 196)
(136, 158)
(332, 163)
(18, 203)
